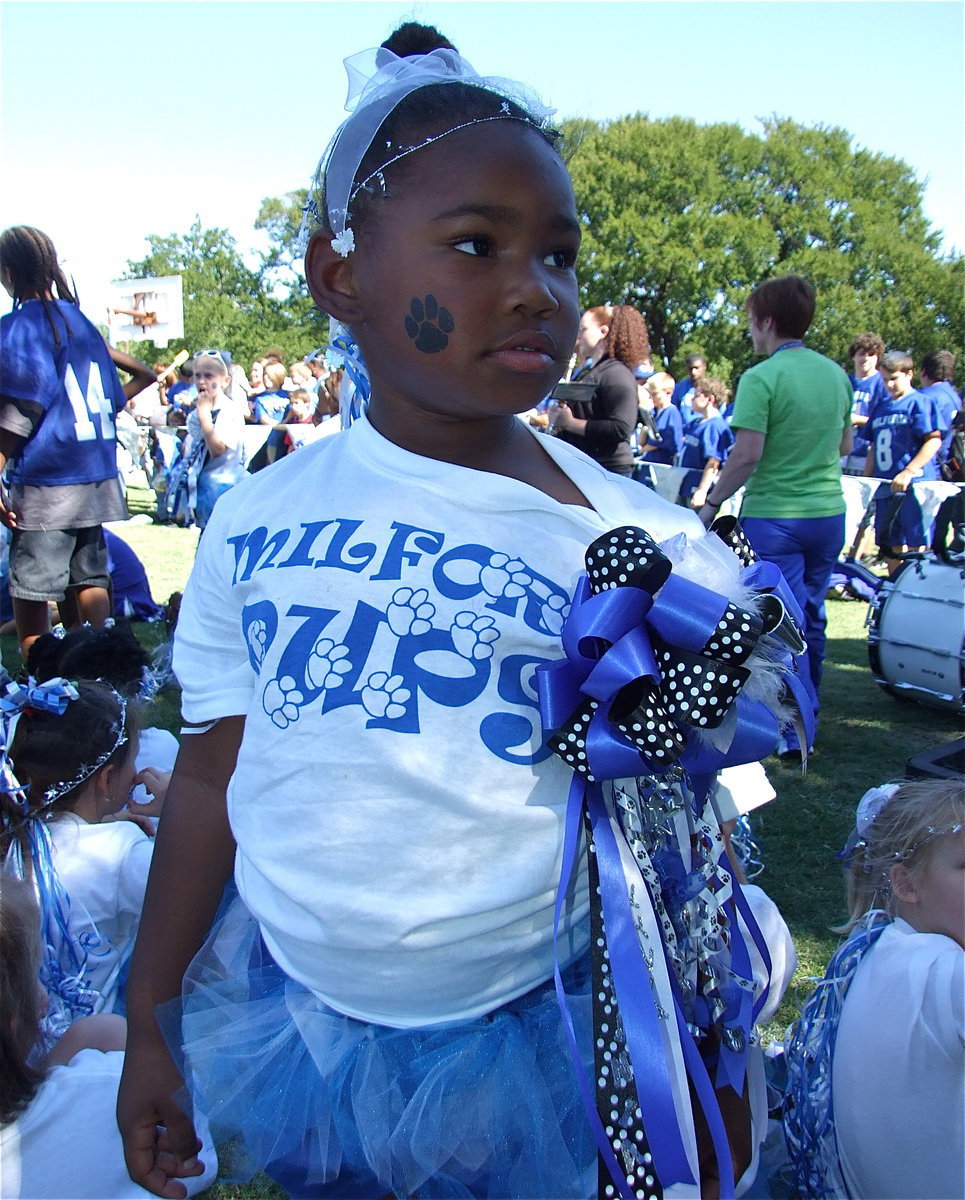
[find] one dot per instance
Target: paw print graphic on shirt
(282, 700)
(428, 324)
(505, 576)
(473, 636)
(327, 664)
(409, 612)
(257, 636)
(384, 695)
(553, 614)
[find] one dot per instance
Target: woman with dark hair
(616, 340)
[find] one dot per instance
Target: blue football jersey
(865, 392)
(897, 429)
(70, 391)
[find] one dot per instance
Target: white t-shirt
(66, 1146)
(898, 1076)
(377, 616)
(104, 871)
(229, 425)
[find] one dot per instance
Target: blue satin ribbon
(608, 642)
(638, 1011)
(53, 696)
(571, 841)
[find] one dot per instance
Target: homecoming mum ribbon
(652, 683)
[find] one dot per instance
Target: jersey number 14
(86, 406)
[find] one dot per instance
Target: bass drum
(916, 634)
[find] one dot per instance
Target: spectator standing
(616, 339)
(936, 375)
(792, 419)
(706, 442)
(667, 421)
(904, 444)
(867, 386)
(696, 368)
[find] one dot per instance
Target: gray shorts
(44, 563)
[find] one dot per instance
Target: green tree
(227, 304)
(682, 220)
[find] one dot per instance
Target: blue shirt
(273, 405)
(670, 430)
(865, 391)
(69, 392)
(898, 429)
(945, 402)
(704, 438)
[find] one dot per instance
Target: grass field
(866, 738)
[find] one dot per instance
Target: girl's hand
(698, 500)
(160, 1142)
(156, 784)
(141, 820)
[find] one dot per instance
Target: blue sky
(122, 119)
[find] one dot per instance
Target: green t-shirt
(802, 402)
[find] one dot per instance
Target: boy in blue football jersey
(662, 444)
(59, 394)
(706, 442)
(904, 443)
(867, 385)
(936, 374)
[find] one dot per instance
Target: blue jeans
(806, 549)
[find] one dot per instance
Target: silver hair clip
(88, 770)
(901, 856)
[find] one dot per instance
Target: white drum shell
(916, 640)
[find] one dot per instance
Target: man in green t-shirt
(792, 418)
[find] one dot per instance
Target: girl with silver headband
(393, 757)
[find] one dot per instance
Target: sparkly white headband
(870, 807)
(378, 81)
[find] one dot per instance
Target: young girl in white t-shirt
(876, 1065)
(70, 756)
(58, 1135)
(392, 753)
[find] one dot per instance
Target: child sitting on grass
(875, 1107)
(58, 1136)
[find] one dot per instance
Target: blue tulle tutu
(329, 1105)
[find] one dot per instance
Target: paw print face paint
(282, 700)
(505, 577)
(409, 612)
(384, 696)
(327, 664)
(429, 325)
(473, 636)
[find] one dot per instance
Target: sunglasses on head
(219, 354)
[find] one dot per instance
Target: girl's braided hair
(29, 255)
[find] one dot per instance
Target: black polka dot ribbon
(728, 529)
(617, 1100)
(683, 687)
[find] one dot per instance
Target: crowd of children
(443, 900)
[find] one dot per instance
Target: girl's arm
(699, 498)
(143, 375)
(193, 861)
